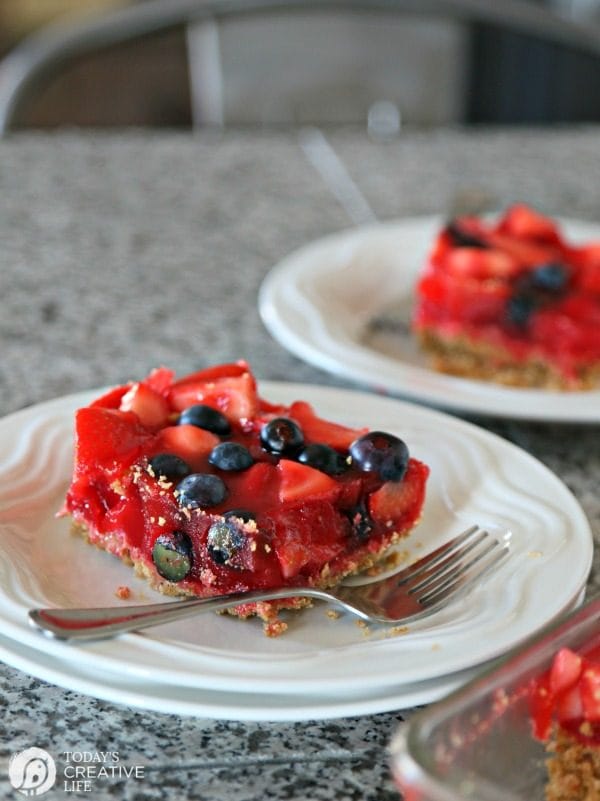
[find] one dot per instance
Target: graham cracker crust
(267, 611)
(573, 769)
(463, 357)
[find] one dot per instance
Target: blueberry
(230, 456)
(281, 436)
(461, 238)
(519, 309)
(382, 453)
(241, 514)
(205, 417)
(172, 555)
(201, 490)
(170, 466)
(224, 542)
(552, 277)
(323, 458)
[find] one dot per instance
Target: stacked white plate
(220, 667)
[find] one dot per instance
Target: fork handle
(100, 623)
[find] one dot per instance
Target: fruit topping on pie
(207, 488)
(569, 695)
(565, 706)
(512, 301)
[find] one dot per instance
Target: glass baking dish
(477, 743)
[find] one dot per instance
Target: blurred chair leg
(205, 73)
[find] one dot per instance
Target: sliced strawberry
(266, 409)
(573, 341)
(527, 253)
(590, 280)
(480, 263)
(301, 482)
(565, 670)
(112, 398)
(315, 429)
(590, 692)
(441, 247)
(525, 223)
(230, 370)
(472, 227)
(581, 307)
(292, 555)
(234, 396)
(259, 481)
(107, 438)
(466, 299)
(308, 536)
(190, 443)
(255, 488)
(151, 408)
(588, 254)
(160, 379)
(398, 502)
(588, 276)
(569, 706)
(542, 708)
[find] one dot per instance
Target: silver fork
(415, 592)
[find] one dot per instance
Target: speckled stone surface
(120, 252)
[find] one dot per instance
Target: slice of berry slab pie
(512, 301)
(207, 488)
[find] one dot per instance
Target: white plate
(476, 477)
(204, 703)
(319, 303)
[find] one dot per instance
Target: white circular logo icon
(32, 771)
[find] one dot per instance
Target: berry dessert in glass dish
(511, 301)
(566, 716)
(527, 728)
(207, 488)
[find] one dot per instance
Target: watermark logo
(83, 768)
(32, 771)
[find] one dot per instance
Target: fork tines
(455, 565)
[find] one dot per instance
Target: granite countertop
(123, 251)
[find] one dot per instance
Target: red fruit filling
(210, 489)
(569, 694)
(517, 288)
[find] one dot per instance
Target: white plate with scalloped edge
(320, 303)
(475, 477)
(174, 699)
